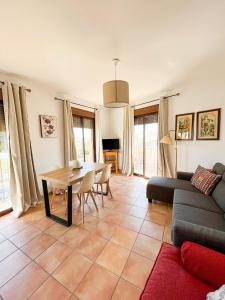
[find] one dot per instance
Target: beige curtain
(164, 162)
(24, 190)
(128, 128)
(98, 136)
(69, 146)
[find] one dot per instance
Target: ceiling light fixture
(116, 92)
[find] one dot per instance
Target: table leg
(69, 206)
(48, 213)
(46, 198)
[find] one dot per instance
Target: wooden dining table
(66, 177)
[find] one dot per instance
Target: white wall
(112, 126)
(47, 152)
(203, 89)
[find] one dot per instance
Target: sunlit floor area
(109, 257)
(4, 196)
(4, 204)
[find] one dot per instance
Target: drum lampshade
(116, 93)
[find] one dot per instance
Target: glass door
(83, 129)
(4, 164)
(145, 145)
(139, 146)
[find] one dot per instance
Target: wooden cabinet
(111, 157)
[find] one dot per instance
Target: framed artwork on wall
(48, 126)
(184, 127)
(208, 125)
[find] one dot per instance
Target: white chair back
(105, 175)
(74, 163)
(87, 182)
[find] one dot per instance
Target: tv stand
(111, 157)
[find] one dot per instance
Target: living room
(112, 150)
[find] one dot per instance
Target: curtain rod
(28, 90)
(154, 100)
(56, 98)
(135, 105)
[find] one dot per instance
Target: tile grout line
(120, 277)
(74, 249)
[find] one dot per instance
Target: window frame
(8, 210)
(85, 114)
(142, 113)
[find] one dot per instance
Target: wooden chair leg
(102, 195)
(109, 189)
(93, 198)
(64, 195)
(93, 191)
(83, 201)
(79, 197)
(65, 198)
(52, 199)
(87, 197)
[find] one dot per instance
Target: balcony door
(5, 203)
(146, 145)
(83, 129)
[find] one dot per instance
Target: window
(4, 164)
(83, 128)
(146, 144)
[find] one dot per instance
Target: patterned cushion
(205, 180)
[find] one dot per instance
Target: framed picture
(208, 125)
(184, 127)
(48, 126)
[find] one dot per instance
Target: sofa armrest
(184, 175)
(206, 264)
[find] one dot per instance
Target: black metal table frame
(48, 213)
(55, 218)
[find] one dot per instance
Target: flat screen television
(111, 144)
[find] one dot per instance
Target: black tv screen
(111, 144)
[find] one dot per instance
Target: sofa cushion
(162, 188)
(205, 180)
(198, 225)
(219, 193)
(203, 263)
(169, 280)
(219, 169)
(197, 200)
(199, 216)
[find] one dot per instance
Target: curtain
(98, 136)
(164, 163)
(24, 191)
(128, 129)
(69, 146)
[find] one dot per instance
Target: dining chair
(103, 178)
(85, 187)
(57, 189)
(73, 163)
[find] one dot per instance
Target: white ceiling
(69, 44)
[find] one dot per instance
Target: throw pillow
(203, 263)
(217, 295)
(205, 180)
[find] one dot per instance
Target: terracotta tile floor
(109, 257)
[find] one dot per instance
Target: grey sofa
(196, 217)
